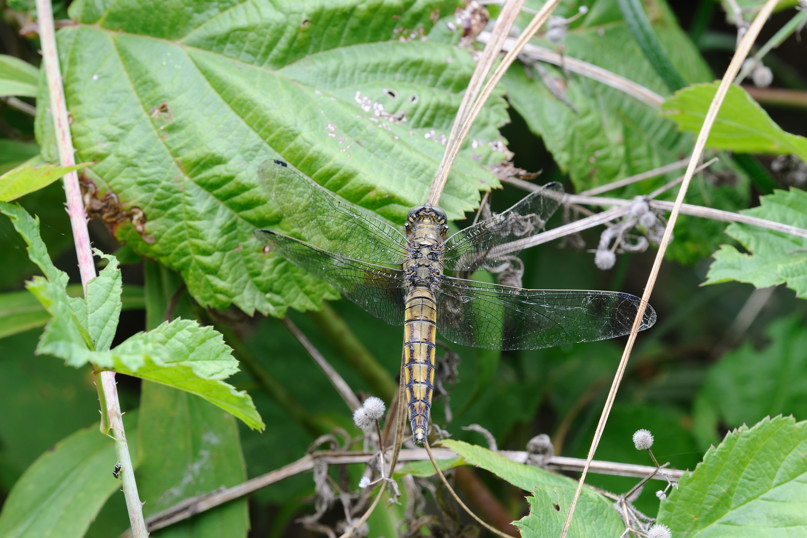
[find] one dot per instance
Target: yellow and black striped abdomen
(420, 330)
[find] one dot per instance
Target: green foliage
(552, 495)
(741, 124)
(20, 311)
(17, 77)
(332, 103)
(64, 489)
(596, 133)
(180, 354)
(749, 383)
(753, 481)
(773, 257)
(204, 456)
(26, 179)
(600, 133)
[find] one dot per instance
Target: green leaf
(204, 455)
(208, 92)
(753, 481)
(186, 356)
(741, 124)
(553, 493)
(549, 508)
(48, 205)
(749, 383)
(65, 488)
(17, 77)
(773, 258)
(104, 303)
(27, 179)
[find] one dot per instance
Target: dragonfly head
(427, 215)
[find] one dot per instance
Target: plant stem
(108, 393)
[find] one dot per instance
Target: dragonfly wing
(328, 221)
(466, 250)
(491, 316)
(377, 289)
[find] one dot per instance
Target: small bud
(642, 439)
(557, 27)
(639, 207)
(762, 76)
(374, 407)
(364, 482)
(661, 495)
(604, 259)
(648, 220)
(659, 531)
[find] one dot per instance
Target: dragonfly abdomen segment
(419, 351)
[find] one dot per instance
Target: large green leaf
(752, 483)
(203, 455)
(773, 257)
(61, 493)
(179, 107)
(741, 124)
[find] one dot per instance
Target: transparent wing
(377, 289)
(328, 221)
(466, 250)
(491, 316)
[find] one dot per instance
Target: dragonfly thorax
(427, 217)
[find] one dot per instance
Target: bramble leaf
(754, 481)
(741, 124)
(180, 354)
(773, 257)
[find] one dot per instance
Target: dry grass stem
(731, 72)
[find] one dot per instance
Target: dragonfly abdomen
(419, 351)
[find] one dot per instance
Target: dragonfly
(402, 277)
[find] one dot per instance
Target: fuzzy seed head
(364, 422)
(374, 407)
(648, 220)
(642, 439)
(604, 259)
(659, 531)
(364, 482)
